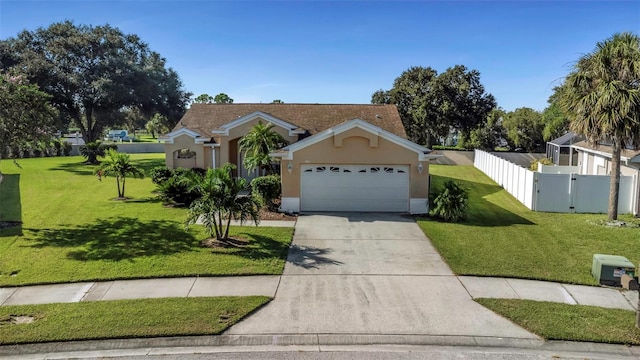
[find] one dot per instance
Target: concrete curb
(279, 342)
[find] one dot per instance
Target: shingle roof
(203, 118)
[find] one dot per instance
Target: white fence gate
(557, 192)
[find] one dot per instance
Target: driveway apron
(370, 274)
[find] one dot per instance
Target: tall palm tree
(258, 144)
(220, 201)
(118, 165)
(602, 97)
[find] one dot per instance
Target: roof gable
(287, 152)
(224, 129)
(170, 137)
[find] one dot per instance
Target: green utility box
(608, 269)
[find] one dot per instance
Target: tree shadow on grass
(262, 247)
(482, 212)
(146, 200)
(10, 205)
(80, 168)
(118, 239)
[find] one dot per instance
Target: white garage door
(368, 188)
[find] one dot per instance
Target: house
(339, 158)
(596, 160)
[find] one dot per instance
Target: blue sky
(342, 51)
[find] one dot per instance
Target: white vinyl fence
(557, 192)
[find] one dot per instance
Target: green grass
(556, 321)
(125, 318)
(501, 237)
(72, 231)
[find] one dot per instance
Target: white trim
(290, 204)
(255, 115)
(418, 205)
(605, 154)
(168, 139)
(286, 153)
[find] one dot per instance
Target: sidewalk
(503, 288)
(477, 287)
(141, 289)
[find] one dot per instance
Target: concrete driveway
(370, 274)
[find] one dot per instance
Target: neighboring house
(340, 157)
(596, 160)
(560, 151)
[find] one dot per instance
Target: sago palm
(258, 144)
(119, 166)
(602, 97)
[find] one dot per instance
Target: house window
(308, 170)
(334, 169)
(374, 170)
(321, 168)
(388, 170)
(185, 154)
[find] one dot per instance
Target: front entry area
(362, 188)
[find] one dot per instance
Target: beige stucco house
(596, 160)
(339, 158)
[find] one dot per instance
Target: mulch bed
(265, 214)
(213, 243)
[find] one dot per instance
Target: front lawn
(72, 231)
(556, 321)
(501, 237)
(123, 318)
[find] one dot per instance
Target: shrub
(175, 189)
(451, 203)
(66, 148)
(57, 147)
(267, 189)
(91, 151)
(159, 174)
(543, 161)
(442, 147)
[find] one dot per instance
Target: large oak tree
(432, 104)
(95, 73)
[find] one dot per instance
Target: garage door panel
(355, 188)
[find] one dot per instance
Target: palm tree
(257, 144)
(156, 125)
(220, 201)
(602, 97)
(118, 165)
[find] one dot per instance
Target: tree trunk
(123, 180)
(226, 231)
(614, 187)
(219, 220)
(118, 185)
